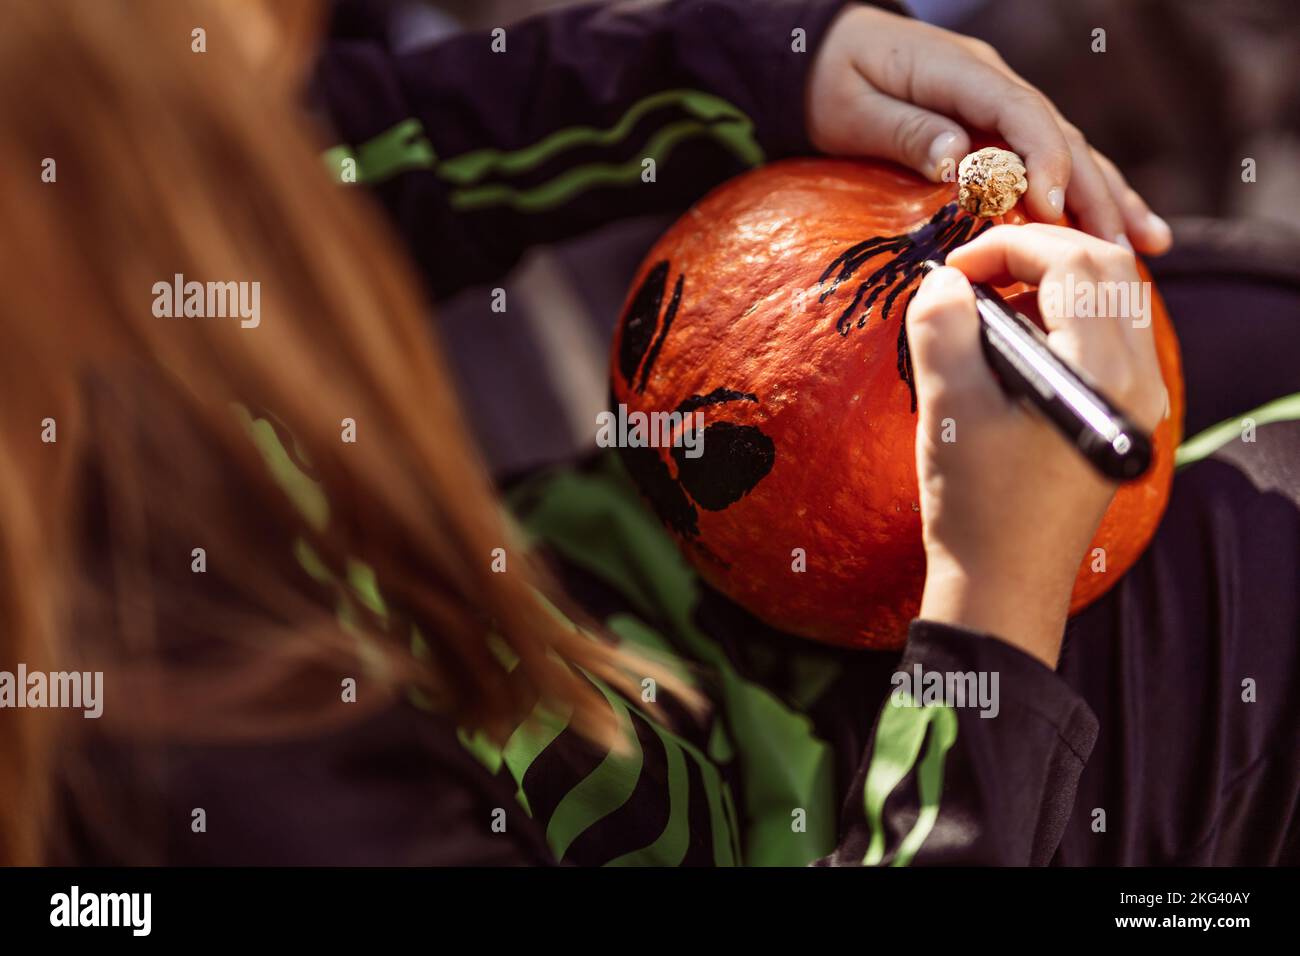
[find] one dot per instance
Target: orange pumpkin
(775, 306)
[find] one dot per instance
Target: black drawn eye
(639, 346)
(734, 459)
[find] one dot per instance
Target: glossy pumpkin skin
(810, 437)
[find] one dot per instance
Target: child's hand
(885, 86)
(1008, 507)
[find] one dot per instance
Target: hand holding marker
(1026, 367)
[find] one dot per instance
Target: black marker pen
(1028, 369)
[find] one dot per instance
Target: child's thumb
(943, 335)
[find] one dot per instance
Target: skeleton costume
(1168, 733)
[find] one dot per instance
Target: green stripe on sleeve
(475, 176)
(527, 743)
(634, 631)
(1206, 443)
(396, 150)
(899, 736)
(722, 812)
(579, 179)
(602, 791)
(671, 845)
(473, 166)
(929, 779)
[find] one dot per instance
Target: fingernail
(944, 277)
(941, 149)
(1159, 227)
(1122, 240)
(1056, 199)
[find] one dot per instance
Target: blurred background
(1186, 90)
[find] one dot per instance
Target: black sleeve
(483, 145)
(984, 771)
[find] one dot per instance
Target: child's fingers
(1089, 195)
(1150, 234)
(1110, 346)
(955, 82)
(907, 134)
(988, 99)
(1038, 253)
(1094, 197)
(985, 93)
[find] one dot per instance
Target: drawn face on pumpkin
(734, 458)
(776, 306)
(737, 457)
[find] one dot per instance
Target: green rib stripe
(1206, 443)
(602, 791)
(634, 631)
(716, 792)
(527, 743)
(670, 847)
(582, 178)
(722, 816)
(899, 736)
(472, 167)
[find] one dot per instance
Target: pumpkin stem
(990, 181)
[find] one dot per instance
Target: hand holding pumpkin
(894, 88)
(1007, 507)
